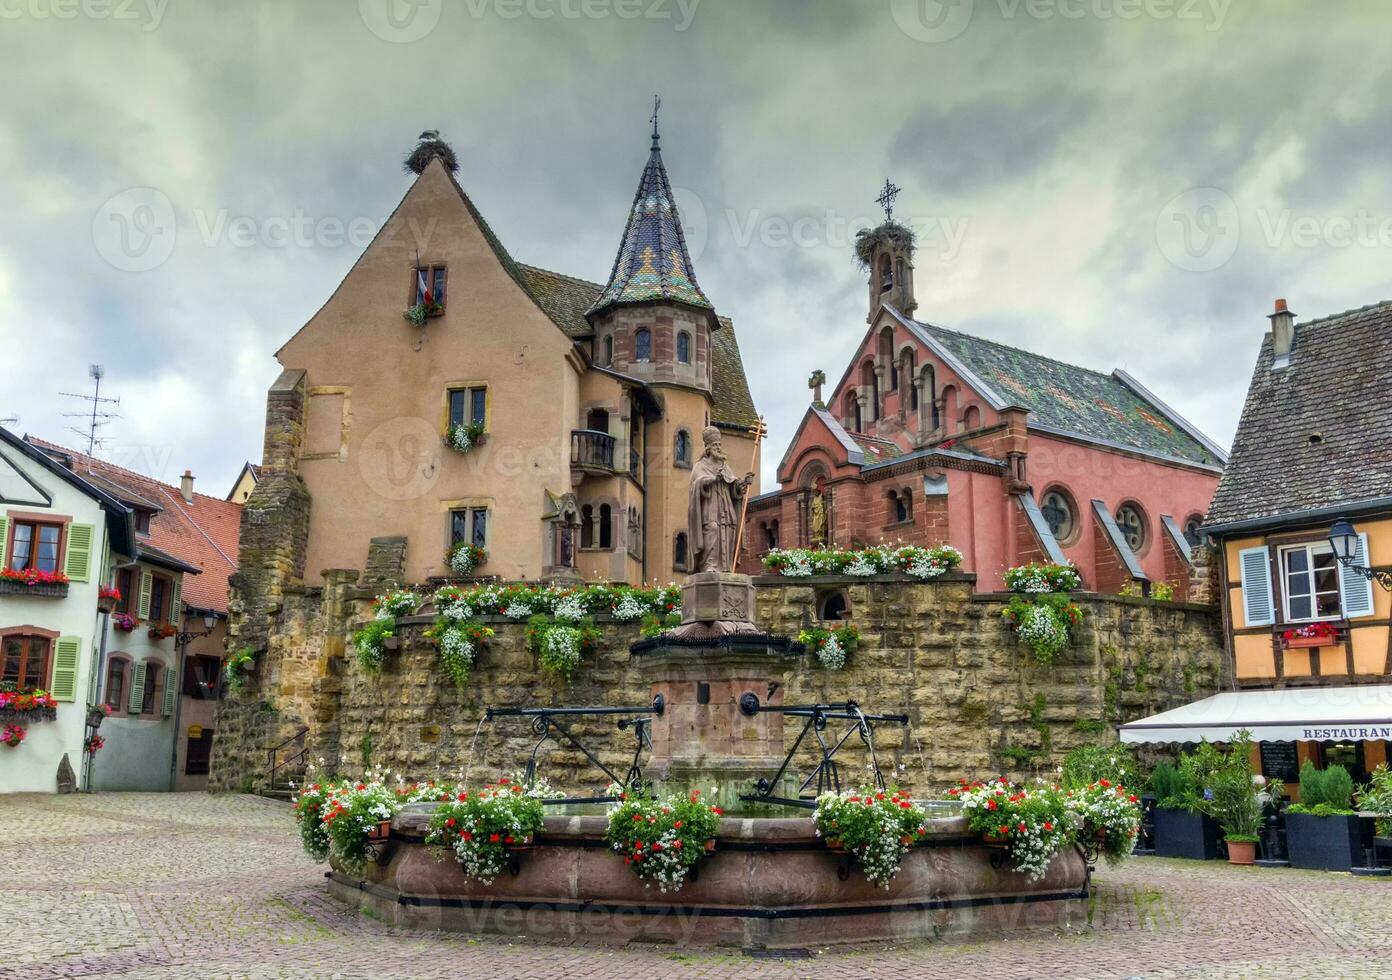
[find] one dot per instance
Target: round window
(1058, 511)
(1133, 526)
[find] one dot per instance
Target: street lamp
(184, 638)
(1343, 539)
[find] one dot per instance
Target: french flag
(422, 288)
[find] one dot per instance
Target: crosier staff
(744, 504)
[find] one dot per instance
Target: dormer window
(142, 520)
(642, 345)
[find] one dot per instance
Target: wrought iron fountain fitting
(827, 774)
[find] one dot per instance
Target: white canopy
(1299, 714)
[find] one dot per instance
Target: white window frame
(1310, 548)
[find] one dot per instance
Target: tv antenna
(96, 416)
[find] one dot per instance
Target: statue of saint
(713, 508)
(819, 515)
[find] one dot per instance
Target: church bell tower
(887, 254)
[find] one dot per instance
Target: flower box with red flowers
(108, 599)
(877, 827)
(1311, 635)
(27, 706)
(33, 581)
(661, 840)
(483, 827)
(161, 631)
(125, 622)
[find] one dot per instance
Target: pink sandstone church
(931, 436)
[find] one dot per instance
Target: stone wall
(937, 651)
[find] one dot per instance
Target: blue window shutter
(1257, 605)
(1357, 591)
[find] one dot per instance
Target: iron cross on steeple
(657, 104)
(886, 199)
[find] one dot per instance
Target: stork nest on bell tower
(870, 240)
(430, 147)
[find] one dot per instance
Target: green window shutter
(4, 536)
(143, 610)
(78, 564)
(65, 656)
(137, 694)
(176, 607)
(170, 676)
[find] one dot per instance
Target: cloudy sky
(1112, 182)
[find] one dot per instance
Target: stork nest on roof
(427, 150)
(867, 240)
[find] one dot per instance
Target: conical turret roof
(653, 262)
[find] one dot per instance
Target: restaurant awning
(1298, 714)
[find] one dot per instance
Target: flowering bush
(878, 828)
(559, 645)
(93, 744)
(1111, 816)
(370, 642)
(33, 576)
(464, 558)
(24, 702)
(654, 625)
(351, 811)
(402, 602)
(161, 631)
(125, 622)
(417, 315)
(482, 826)
(623, 602)
(13, 735)
(1033, 824)
(1159, 591)
(831, 646)
(464, 436)
(459, 641)
(661, 839)
(921, 563)
(1042, 577)
(309, 814)
(1043, 622)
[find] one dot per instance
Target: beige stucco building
(591, 399)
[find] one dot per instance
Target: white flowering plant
(1031, 824)
(482, 827)
(370, 642)
(1110, 815)
(920, 562)
(351, 810)
(1044, 622)
(1038, 577)
(559, 646)
(459, 642)
(464, 558)
(877, 827)
(465, 436)
(661, 839)
(831, 646)
(402, 602)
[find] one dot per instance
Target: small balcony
(591, 451)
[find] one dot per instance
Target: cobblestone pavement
(155, 886)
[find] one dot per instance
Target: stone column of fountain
(717, 657)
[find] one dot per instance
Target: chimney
(186, 486)
(1282, 335)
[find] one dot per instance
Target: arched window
(597, 420)
(909, 367)
(25, 660)
(928, 381)
(898, 507)
(1061, 514)
(853, 419)
(1192, 532)
(587, 534)
(642, 345)
(682, 450)
(900, 270)
(906, 498)
(833, 605)
(1132, 522)
(117, 670)
(684, 347)
(871, 382)
(771, 534)
(679, 551)
(886, 274)
(607, 349)
(149, 702)
(949, 409)
(606, 526)
(886, 357)
(971, 418)
(635, 533)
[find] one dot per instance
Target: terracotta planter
(380, 832)
(1242, 851)
(994, 840)
(1310, 642)
(525, 844)
(833, 844)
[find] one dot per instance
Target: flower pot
(380, 832)
(1309, 642)
(106, 606)
(95, 716)
(710, 846)
(833, 844)
(1181, 834)
(1242, 851)
(995, 840)
(1323, 843)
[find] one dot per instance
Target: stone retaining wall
(979, 704)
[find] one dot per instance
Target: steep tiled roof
(876, 450)
(653, 262)
(203, 533)
(1319, 432)
(563, 298)
(1075, 399)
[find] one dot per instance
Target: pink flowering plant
(662, 839)
(1033, 824)
(484, 826)
(876, 827)
(1110, 815)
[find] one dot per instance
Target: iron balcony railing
(591, 450)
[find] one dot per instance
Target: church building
(935, 436)
(447, 394)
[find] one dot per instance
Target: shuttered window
(1357, 590)
(24, 661)
(137, 689)
(66, 654)
(1257, 608)
(77, 563)
(171, 691)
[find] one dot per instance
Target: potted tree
(1322, 830)
(1376, 798)
(1180, 829)
(1230, 797)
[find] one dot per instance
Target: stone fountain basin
(770, 883)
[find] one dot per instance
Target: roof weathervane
(657, 104)
(886, 199)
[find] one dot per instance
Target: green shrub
(1338, 787)
(1168, 787)
(1324, 792)
(1087, 764)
